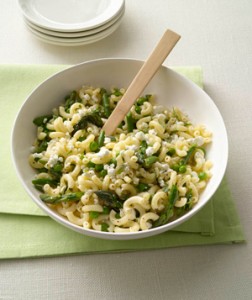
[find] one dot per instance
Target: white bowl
(170, 88)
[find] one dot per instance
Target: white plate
(77, 41)
(78, 33)
(70, 15)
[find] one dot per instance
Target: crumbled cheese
(107, 140)
(163, 167)
(37, 155)
(110, 169)
(161, 182)
(199, 141)
(149, 151)
(132, 147)
(81, 112)
(140, 136)
(70, 146)
(52, 160)
(179, 123)
(152, 131)
(103, 152)
(111, 172)
(194, 174)
(95, 98)
(86, 96)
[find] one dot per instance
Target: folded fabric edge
(201, 241)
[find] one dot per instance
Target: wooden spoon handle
(144, 75)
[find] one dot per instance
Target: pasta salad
(150, 172)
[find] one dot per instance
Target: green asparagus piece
(109, 199)
(130, 122)
(141, 100)
(171, 152)
(40, 182)
(42, 120)
(43, 181)
(93, 118)
(173, 195)
(117, 92)
(71, 99)
(104, 227)
(101, 139)
(106, 104)
(56, 170)
(168, 213)
(42, 146)
(181, 210)
(142, 152)
(142, 187)
(189, 154)
(61, 198)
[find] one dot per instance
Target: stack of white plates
(72, 22)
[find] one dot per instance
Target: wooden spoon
(143, 77)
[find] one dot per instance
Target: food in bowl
(149, 173)
(171, 90)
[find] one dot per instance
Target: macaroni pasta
(151, 171)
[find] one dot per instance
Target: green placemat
(26, 232)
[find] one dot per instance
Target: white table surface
(217, 35)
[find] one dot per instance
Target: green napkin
(16, 83)
(26, 232)
(33, 236)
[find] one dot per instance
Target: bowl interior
(170, 89)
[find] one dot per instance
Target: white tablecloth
(217, 35)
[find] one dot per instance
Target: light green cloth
(25, 231)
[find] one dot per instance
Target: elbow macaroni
(139, 167)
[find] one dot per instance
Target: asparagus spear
(39, 183)
(93, 118)
(168, 213)
(41, 120)
(106, 104)
(142, 152)
(61, 198)
(101, 139)
(109, 199)
(130, 122)
(71, 99)
(189, 154)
